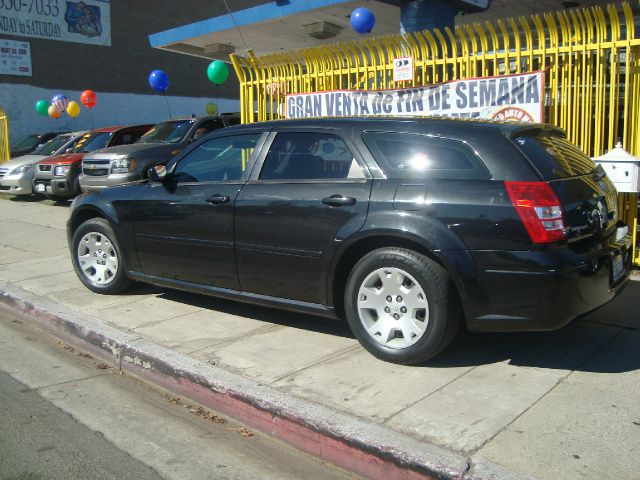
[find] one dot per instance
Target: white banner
(15, 58)
(87, 21)
(508, 97)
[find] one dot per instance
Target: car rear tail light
(539, 209)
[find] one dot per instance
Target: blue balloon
(362, 20)
(159, 81)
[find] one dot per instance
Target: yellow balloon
(73, 109)
(53, 113)
(211, 108)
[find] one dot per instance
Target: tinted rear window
(555, 157)
(409, 155)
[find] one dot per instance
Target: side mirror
(157, 173)
(69, 150)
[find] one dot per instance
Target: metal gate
(4, 137)
(590, 56)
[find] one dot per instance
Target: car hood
(17, 162)
(144, 150)
(63, 159)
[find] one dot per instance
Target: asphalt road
(39, 440)
(65, 415)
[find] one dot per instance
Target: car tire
(401, 305)
(97, 258)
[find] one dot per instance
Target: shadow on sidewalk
(581, 345)
(573, 347)
(272, 315)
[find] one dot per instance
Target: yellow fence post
(4, 137)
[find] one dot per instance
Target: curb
(362, 447)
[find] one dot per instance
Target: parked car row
(16, 175)
(127, 163)
(70, 163)
(58, 177)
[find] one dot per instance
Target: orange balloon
(53, 113)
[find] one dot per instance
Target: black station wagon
(405, 227)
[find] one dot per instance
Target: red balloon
(88, 98)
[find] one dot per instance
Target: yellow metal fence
(590, 56)
(4, 137)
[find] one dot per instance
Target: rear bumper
(541, 290)
(90, 183)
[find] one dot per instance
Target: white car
(16, 175)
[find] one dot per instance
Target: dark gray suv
(128, 163)
(404, 227)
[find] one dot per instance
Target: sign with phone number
(87, 21)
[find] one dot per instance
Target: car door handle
(338, 201)
(217, 199)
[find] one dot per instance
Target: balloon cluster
(60, 103)
(217, 73)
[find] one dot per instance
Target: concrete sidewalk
(550, 405)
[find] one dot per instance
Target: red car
(57, 176)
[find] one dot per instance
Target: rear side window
(309, 156)
(554, 157)
(410, 155)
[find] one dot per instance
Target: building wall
(112, 109)
(119, 73)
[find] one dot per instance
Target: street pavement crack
(81, 379)
(467, 468)
(155, 322)
(319, 362)
(441, 387)
(231, 340)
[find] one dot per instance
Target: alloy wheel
(393, 307)
(97, 258)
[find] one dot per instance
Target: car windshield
(52, 146)
(92, 141)
(167, 132)
(29, 141)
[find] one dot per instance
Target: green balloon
(42, 107)
(211, 108)
(218, 72)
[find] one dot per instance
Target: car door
(184, 226)
(310, 192)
